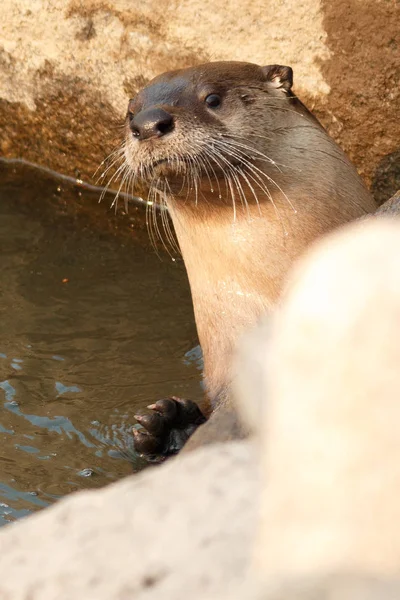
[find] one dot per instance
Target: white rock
(181, 530)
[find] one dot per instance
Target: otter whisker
(234, 173)
(156, 227)
(113, 163)
(168, 230)
(258, 181)
(203, 168)
(260, 155)
(227, 176)
(125, 174)
(115, 176)
(233, 140)
(243, 174)
(232, 196)
(199, 170)
(149, 222)
(254, 168)
(115, 200)
(202, 165)
(165, 219)
(156, 199)
(194, 174)
(130, 186)
(242, 156)
(236, 179)
(216, 156)
(263, 187)
(119, 152)
(209, 166)
(271, 199)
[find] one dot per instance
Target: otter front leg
(166, 429)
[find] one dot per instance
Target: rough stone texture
(185, 526)
(386, 177)
(68, 68)
(363, 73)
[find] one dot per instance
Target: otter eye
(213, 100)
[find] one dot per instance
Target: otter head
(190, 127)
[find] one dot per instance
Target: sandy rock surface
(69, 67)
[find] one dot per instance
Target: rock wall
(68, 68)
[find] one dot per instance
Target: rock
(68, 69)
(391, 208)
(386, 179)
(331, 587)
(331, 465)
(184, 529)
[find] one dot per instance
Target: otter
(250, 178)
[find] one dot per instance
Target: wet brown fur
(248, 186)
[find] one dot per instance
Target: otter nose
(151, 123)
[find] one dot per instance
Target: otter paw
(166, 429)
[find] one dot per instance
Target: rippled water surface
(93, 326)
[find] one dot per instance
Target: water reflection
(93, 326)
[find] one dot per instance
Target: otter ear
(279, 76)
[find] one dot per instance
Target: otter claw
(147, 443)
(167, 428)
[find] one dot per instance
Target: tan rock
(332, 444)
(68, 68)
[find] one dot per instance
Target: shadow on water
(93, 326)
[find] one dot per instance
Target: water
(93, 326)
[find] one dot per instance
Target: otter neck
(237, 262)
(232, 282)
